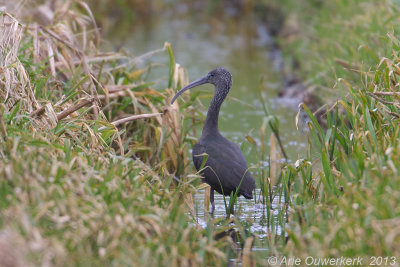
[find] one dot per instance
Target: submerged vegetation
(94, 167)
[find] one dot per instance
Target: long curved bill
(198, 82)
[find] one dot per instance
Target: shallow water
(246, 210)
(250, 214)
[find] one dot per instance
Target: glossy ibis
(225, 166)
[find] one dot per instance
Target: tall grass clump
(90, 152)
(343, 195)
(349, 206)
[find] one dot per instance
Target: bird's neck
(211, 123)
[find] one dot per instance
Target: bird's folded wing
(227, 164)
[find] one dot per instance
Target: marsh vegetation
(95, 167)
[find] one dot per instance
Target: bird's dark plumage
(225, 166)
(219, 149)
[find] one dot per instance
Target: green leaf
(326, 167)
(370, 126)
(15, 111)
(171, 64)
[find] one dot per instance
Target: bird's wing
(227, 161)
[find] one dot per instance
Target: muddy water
(246, 49)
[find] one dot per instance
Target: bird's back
(225, 166)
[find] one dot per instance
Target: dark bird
(225, 166)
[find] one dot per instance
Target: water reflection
(247, 211)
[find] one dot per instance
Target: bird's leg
(212, 201)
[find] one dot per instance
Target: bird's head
(219, 77)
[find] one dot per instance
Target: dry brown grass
(67, 51)
(69, 115)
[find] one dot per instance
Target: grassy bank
(349, 207)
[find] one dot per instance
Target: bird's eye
(211, 75)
